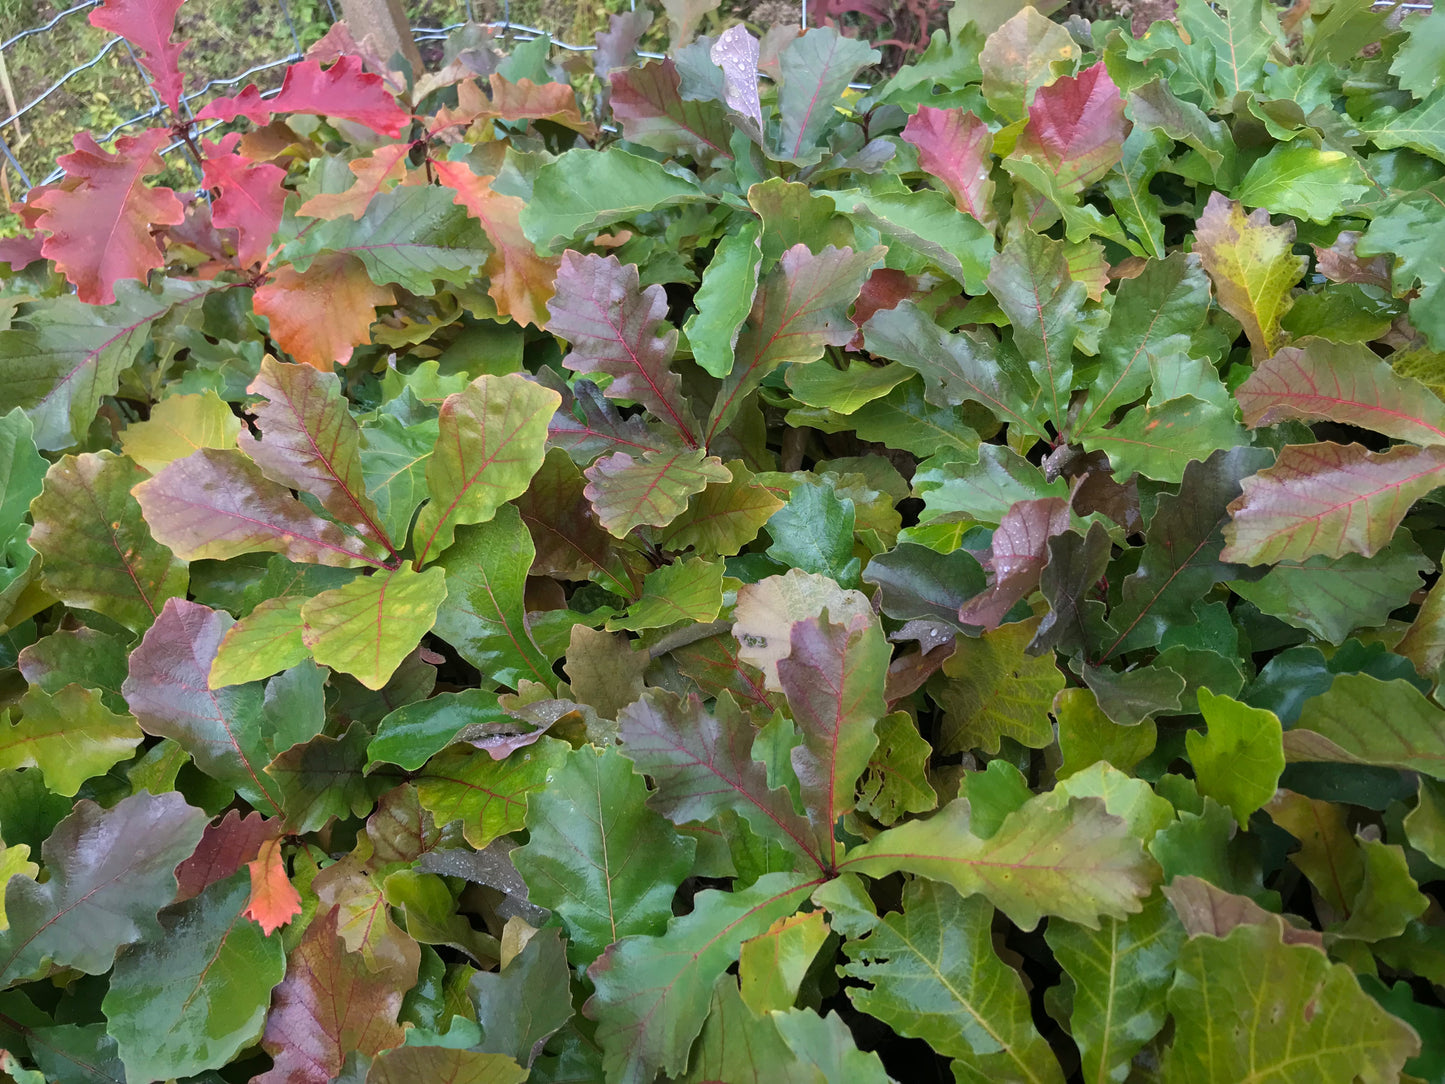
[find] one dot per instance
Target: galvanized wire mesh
(420, 34)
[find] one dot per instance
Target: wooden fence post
(385, 22)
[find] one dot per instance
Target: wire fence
(13, 112)
(420, 34)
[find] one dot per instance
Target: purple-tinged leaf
(222, 729)
(816, 68)
(96, 548)
(768, 609)
(217, 504)
(653, 992)
(1347, 383)
(328, 1006)
(833, 679)
(618, 329)
(310, 441)
(226, 846)
(1181, 559)
(600, 429)
(1328, 499)
(649, 104)
(1016, 559)
(736, 53)
(800, 308)
(492, 439)
(702, 763)
(110, 871)
(628, 492)
(956, 147)
(617, 45)
(1076, 129)
(568, 541)
(1030, 280)
(1340, 262)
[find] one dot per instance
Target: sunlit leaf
(1077, 861)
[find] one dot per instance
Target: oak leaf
(100, 230)
(319, 316)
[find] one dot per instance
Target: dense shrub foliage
(695, 569)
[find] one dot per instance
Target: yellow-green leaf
(366, 627)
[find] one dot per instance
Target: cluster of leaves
(786, 584)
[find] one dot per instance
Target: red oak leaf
(521, 281)
(225, 847)
(526, 100)
(100, 230)
(1076, 128)
(342, 90)
(956, 147)
(21, 252)
(251, 197)
(320, 315)
(274, 900)
(883, 289)
(148, 25)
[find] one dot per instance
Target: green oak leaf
(930, 972)
(652, 993)
(995, 689)
(524, 1004)
(1363, 720)
(192, 999)
(586, 189)
(1117, 976)
(491, 441)
(1076, 861)
(70, 735)
(814, 532)
(487, 795)
(1304, 181)
(324, 778)
(1250, 1005)
(483, 615)
(598, 856)
(412, 236)
(895, 782)
(177, 426)
(725, 297)
(1238, 760)
(689, 590)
